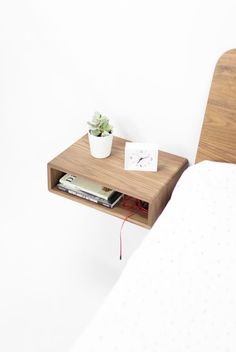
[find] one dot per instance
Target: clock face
(141, 156)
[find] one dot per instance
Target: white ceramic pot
(100, 147)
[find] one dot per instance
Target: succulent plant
(99, 125)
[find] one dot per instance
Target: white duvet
(178, 291)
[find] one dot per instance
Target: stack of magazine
(84, 188)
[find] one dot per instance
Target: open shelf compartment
(138, 218)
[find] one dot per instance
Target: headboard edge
(218, 135)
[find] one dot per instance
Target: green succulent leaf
(91, 124)
(105, 133)
(95, 132)
(99, 125)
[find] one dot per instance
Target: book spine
(87, 197)
(78, 193)
(81, 195)
(117, 200)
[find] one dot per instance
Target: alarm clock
(141, 156)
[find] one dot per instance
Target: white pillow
(211, 178)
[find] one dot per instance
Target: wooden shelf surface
(155, 188)
(110, 171)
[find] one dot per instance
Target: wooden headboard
(218, 135)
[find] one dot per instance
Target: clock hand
(144, 157)
(139, 160)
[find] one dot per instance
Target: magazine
(79, 183)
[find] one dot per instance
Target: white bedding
(178, 291)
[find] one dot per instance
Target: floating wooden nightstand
(155, 188)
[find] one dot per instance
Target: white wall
(147, 65)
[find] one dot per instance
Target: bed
(178, 291)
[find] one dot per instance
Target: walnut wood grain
(218, 136)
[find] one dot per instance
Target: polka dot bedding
(178, 290)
